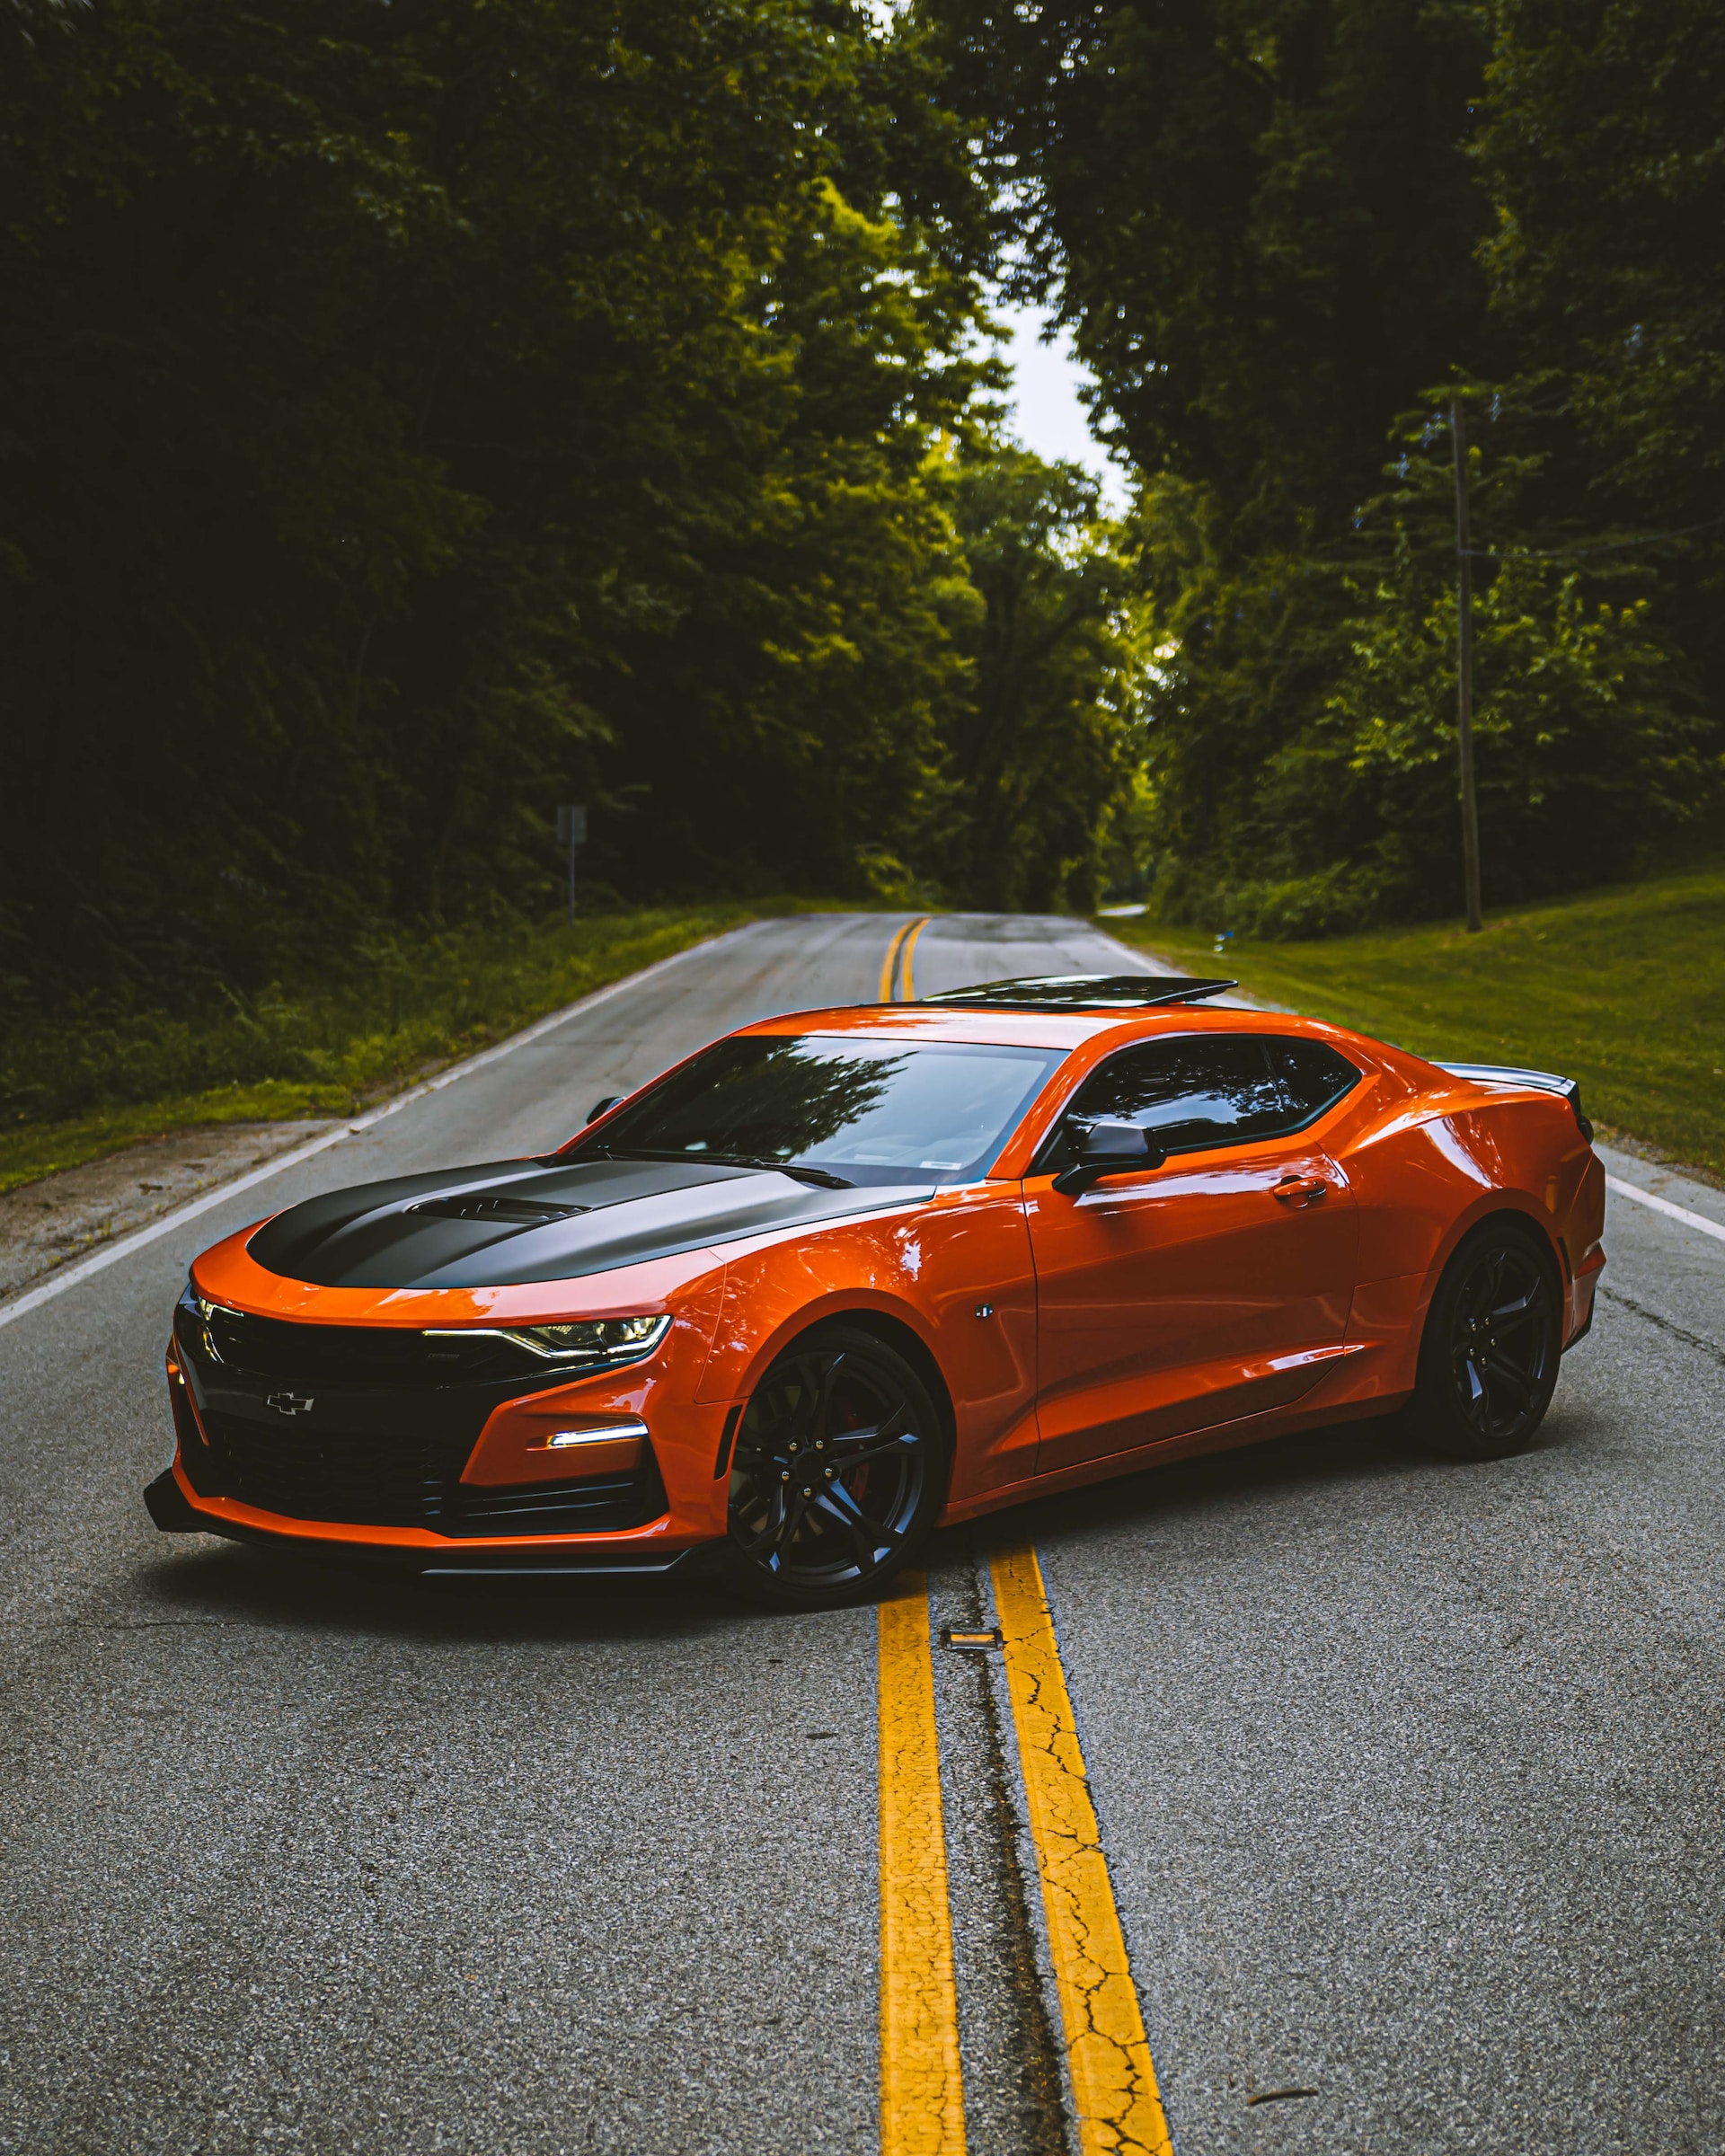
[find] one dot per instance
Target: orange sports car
(846, 1275)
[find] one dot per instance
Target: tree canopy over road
(417, 413)
(1286, 233)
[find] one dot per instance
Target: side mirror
(603, 1108)
(1108, 1149)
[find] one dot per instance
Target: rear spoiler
(1547, 1082)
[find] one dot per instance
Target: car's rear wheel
(1488, 1364)
(838, 1474)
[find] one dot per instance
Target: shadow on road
(1361, 1453)
(232, 1584)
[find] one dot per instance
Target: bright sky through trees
(1047, 416)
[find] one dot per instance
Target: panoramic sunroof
(1084, 991)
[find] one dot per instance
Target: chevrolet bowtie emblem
(290, 1403)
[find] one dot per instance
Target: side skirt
(1219, 1438)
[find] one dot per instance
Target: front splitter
(173, 1513)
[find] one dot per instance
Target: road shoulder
(46, 1223)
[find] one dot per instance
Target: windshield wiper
(819, 1175)
(804, 1175)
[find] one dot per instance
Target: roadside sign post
(571, 831)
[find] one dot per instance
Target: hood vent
(506, 1211)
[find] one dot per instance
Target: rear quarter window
(1313, 1075)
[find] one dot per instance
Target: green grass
(77, 1089)
(1623, 989)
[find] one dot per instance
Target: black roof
(1084, 991)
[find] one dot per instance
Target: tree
(1604, 150)
(1259, 217)
(1050, 737)
(419, 414)
(1276, 225)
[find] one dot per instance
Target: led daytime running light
(580, 1343)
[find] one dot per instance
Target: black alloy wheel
(839, 1472)
(1488, 1367)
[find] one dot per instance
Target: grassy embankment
(1623, 989)
(75, 1089)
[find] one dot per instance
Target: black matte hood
(510, 1223)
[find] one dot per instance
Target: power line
(1602, 546)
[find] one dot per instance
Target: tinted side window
(1313, 1077)
(1192, 1095)
(1197, 1094)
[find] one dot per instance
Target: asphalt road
(1409, 1774)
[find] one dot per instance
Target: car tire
(838, 1475)
(1488, 1357)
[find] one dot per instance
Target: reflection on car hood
(508, 1223)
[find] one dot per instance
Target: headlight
(592, 1341)
(200, 1313)
(199, 1303)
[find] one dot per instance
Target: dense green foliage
(1285, 233)
(415, 414)
(1604, 146)
(418, 413)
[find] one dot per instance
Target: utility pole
(1465, 674)
(571, 831)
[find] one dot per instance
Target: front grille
(306, 1355)
(370, 1425)
(365, 1478)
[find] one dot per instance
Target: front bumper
(422, 1452)
(1578, 1316)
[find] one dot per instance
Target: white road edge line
(1664, 1205)
(113, 1252)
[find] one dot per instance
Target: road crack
(1031, 2043)
(1710, 1348)
(1115, 2094)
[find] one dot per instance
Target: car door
(1212, 1287)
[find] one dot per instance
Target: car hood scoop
(508, 1223)
(514, 1212)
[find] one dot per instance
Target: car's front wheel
(839, 1472)
(1488, 1364)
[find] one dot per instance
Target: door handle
(1299, 1189)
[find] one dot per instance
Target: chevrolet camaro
(846, 1275)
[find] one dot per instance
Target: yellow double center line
(898, 960)
(1113, 2081)
(922, 2087)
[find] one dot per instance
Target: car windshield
(866, 1111)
